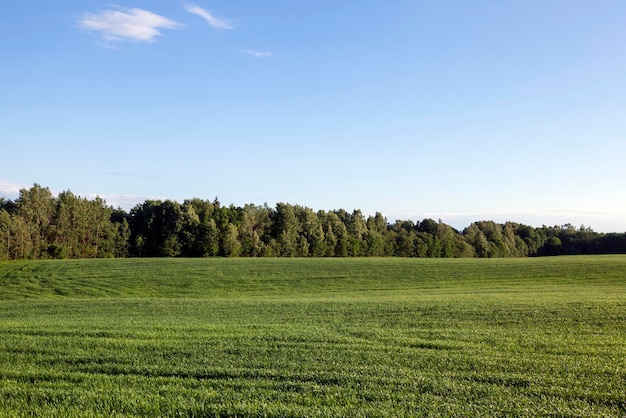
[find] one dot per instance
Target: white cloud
(127, 24)
(258, 54)
(599, 221)
(210, 19)
(10, 190)
(124, 201)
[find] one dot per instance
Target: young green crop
(306, 337)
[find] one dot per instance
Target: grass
(314, 337)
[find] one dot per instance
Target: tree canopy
(38, 225)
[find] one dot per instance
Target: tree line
(37, 225)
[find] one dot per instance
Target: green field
(314, 337)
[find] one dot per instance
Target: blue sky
(459, 110)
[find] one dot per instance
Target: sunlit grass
(332, 337)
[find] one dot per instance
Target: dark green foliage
(553, 246)
(155, 227)
(312, 232)
(41, 226)
(84, 228)
(201, 235)
(286, 232)
(36, 207)
(37, 225)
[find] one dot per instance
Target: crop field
(314, 337)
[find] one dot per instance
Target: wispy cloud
(258, 54)
(124, 201)
(127, 24)
(600, 221)
(9, 190)
(213, 21)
